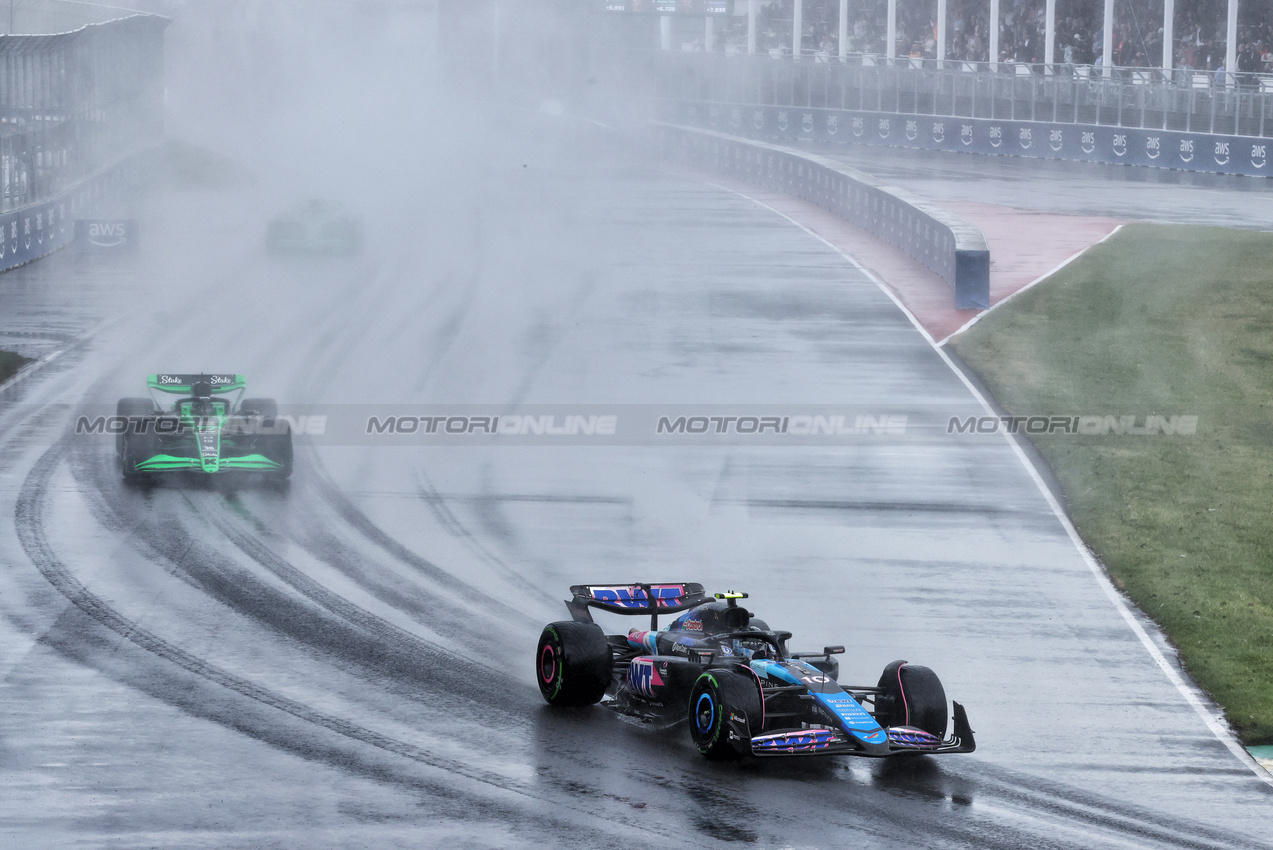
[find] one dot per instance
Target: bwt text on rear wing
(640, 598)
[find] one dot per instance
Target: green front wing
(169, 463)
(206, 450)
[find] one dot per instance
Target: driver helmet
(201, 391)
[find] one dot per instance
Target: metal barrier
(74, 102)
(78, 111)
(1139, 98)
(943, 242)
(1084, 143)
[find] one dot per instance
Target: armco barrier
(1081, 142)
(33, 231)
(943, 242)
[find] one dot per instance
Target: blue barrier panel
(940, 240)
(1080, 142)
(33, 231)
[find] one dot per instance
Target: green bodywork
(168, 463)
(205, 422)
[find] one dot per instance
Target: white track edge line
(74, 342)
(1217, 728)
(977, 318)
(871, 277)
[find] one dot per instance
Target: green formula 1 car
(315, 227)
(201, 424)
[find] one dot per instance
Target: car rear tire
(913, 696)
(573, 664)
(721, 701)
(131, 409)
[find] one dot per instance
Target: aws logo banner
(100, 234)
(1079, 142)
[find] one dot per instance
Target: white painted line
(977, 318)
(1213, 722)
(76, 341)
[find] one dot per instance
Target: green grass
(11, 363)
(1163, 320)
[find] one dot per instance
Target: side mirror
(827, 651)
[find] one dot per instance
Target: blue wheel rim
(702, 712)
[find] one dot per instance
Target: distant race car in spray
(201, 424)
(732, 679)
(315, 227)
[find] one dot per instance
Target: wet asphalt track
(347, 661)
(1048, 185)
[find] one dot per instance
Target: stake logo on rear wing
(173, 383)
(640, 598)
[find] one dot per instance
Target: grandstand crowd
(1199, 28)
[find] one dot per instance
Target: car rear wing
(640, 598)
(168, 382)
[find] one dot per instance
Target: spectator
(1138, 30)
(1247, 65)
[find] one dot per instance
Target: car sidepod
(661, 681)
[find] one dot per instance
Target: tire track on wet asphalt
(320, 541)
(1023, 812)
(438, 617)
(223, 581)
(320, 620)
(340, 338)
(333, 347)
(353, 516)
(437, 504)
(1089, 809)
(28, 523)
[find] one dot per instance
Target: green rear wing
(183, 384)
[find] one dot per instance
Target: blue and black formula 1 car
(201, 424)
(733, 679)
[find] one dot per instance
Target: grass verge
(10, 363)
(1162, 321)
